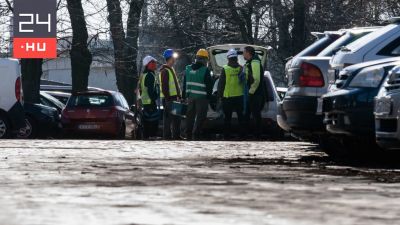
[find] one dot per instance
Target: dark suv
(349, 110)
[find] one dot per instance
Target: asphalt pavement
(63, 182)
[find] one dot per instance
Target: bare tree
(125, 45)
(81, 58)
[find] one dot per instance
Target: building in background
(102, 73)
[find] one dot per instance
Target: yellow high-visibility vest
(233, 86)
(146, 100)
(172, 87)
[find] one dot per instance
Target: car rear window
(343, 41)
(318, 46)
(91, 101)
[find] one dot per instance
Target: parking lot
(126, 183)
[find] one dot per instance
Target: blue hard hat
(168, 53)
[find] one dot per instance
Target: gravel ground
(130, 183)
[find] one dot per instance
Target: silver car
(387, 112)
(308, 81)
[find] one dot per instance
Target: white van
(380, 44)
(11, 111)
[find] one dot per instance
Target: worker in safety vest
(256, 85)
(197, 90)
(150, 92)
(231, 91)
(170, 92)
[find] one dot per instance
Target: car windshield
(100, 100)
(343, 41)
(221, 59)
(357, 45)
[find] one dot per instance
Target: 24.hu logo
(34, 30)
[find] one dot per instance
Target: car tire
(5, 128)
(30, 131)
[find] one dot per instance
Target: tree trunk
(299, 28)
(131, 50)
(31, 70)
(125, 48)
(81, 58)
(283, 21)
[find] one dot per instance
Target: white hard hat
(148, 59)
(232, 53)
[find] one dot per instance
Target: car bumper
(281, 118)
(350, 113)
(301, 114)
(106, 128)
(387, 125)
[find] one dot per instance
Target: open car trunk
(218, 59)
(218, 56)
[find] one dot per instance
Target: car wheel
(29, 131)
(4, 127)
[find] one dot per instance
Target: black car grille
(341, 78)
(393, 85)
(389, 125)
(327, 105)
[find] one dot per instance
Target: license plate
(88, 127)
(320, 106)
(383, 107)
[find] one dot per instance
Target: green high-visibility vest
(233, 86)
(146, 100)
(195, 86)
(173, 91)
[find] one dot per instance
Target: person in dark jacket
(170, 92)
(149, 91)
(197, 90)
(256, 86)
(231, 92)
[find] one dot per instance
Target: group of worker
(241, 89)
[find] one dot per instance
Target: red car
(98, 112)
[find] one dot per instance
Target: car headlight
(370, 77)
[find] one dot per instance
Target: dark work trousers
(255, 106)
(150, 121)
(229, 106)
(171, 123)
(195, 116)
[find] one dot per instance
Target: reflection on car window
(396, 51)
(91, 101)
(123, 101)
